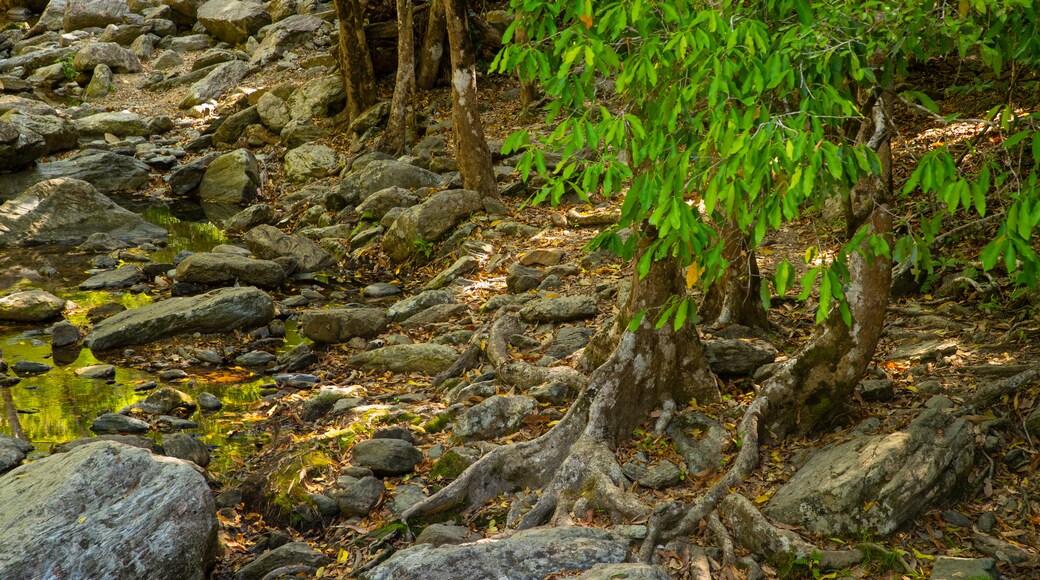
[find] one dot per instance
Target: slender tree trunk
(355, 64)
(471, 150)
(395, 136)
(433, 46)
(735, 298)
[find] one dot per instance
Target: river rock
(30, 305)
(120, 123)
(876, 483)
(405, 309)
(387, 456)
(12, 452)
(493, 417)
(274, 113)
(220, 80)
(64, 334)
(222, 269)
(406, 358)
(80, 14)
(186, 447)
(216, 311)
(320, 97)
(310, 161)
(337, 325)
(232, 129)
(429, 221)
(115, 57)
(108, 172)
(233, 21)
(252, 216)
(101, 83)
(443, 534)
(949, 568)
(269, 243)
(526, 555)
(187, 177)
(377, 175)
(58, 133)
(164, 401)
(736, 357)
(29, 368)
(116, 423)
(106, 510)
(19, 146)
(123, 277)
(231, 178)
(293, 553)
(563, 309)
(209, 402)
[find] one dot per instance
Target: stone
(405, 496)
(231, 178)
(80, 14)
(699, 439)
(167, 59)
(127, 512)
(381, 173)
(406, 358)
(108, 172)
(461, 267)
(625, 571)
(124, 34)
(876, 390)
(337, 325)
(102, 82)
(216, 311)
(186, 178)
(250, 217)
(737, 357)
(133, 440)
(895, 476)
(429, 221)
(567, 340)
(520, 278)
(444, 534)
(293, 553)
(659, 476)
(286, 34)
(405, 309)
(28, 368)
(220, 269)
(273, 111)
(949, 568)
(233, 127)
(357, 497)
(186, 447)
(918, 350)
(57, 133)
(64, 334)
(310, 161)
(270, 243)
(209, 402)
(117, 58)
(380, 290)
(19, 146)
(216, 83)
(326, 398)
(1032, 422)
(387, 456)
(435, 314)
(12, 452)
(116, 423)
(371, 117)
(320, 97)
(233, 21)
(30, 306)
(563, 309)
(493, 417)
(526, 555)
(381, 202)
(120, 124)
(255, 358)
(165, 401)
(541, 257)
(123, 277)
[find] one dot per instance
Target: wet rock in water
(123, 277)
(12, 452)
(357, 496)
(564, 309)
(232, 21)
(108, 172)
(949, 568)
(325, 399)
(110, 54)
(173, 375)
(128, 514)
(231, 178)
(429, 221)
(102, 372)
(28, 368)
(387, 456)
(186, 447)
(444, 534)
(293, 553)
(216, 311)
(493, 417)
(736, 357)
(101, 83)
(64, 334)
(165, 401)
(80, 14)
(20, 146)
(168, 423)
(57, 133)
(216, 83)
(255, 358)
(209, 402)
(526, 555)
(268, 243)
(895, 475)
(227, 269)
(310, 161)
(30, 305)
(337, 325)
(406, 358)
(116, 423)
(405, 309)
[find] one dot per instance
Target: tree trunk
(355, 65)
(433, 47)
(397, 126)
(528, 87)
(735, 298)
(471, 150)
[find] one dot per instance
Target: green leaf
(782, 277)
(637, 319)
(825, 299)
(681, 313)
(807, 282)
(925, 100)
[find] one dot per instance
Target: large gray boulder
(285, 35)
(336, 325)
(217, 311)
(68, 211)
(380, 174)
(219, 269)
(268, 242)
(736, 357)
(233, 21)
(117, 58)
(876, 483)
(57, 133)
(19, 146)
(320, 97)
(220, 80)
(231, 178)
(526, 555)
(406, 358)
(273, 111)
(119, 123)
(429, 221)
(81, 14)
(310, 161)
(562, 309)
(495, 416)
(108, 172)
(106, 510)
(379, 203)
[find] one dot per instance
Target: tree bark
(471, 150)
(355, 64)
(397, 126)
(735, 298)
(528, 87)
(433, 47)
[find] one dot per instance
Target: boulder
(377, 175)
(876, 483)
(216, 83)
(950, 568)
(405, 309)
(737, 357)
(64, 334)
(320, 97)
(58, 133)
(101, 83)
(371, 117)
(337, 325)
(19, 146)
(232, 129)
(286, 34)
(123, 277)
(444, 534)
(187, 177)
(30, 305)
(12, 452)
(461, 267)
(379, 203)
(165, 401)
(493, 417)
(29, 368)
(563, 309)
(115, 57)
(310, 161)
(184, 11)
(269, 243)
(186, 447)
(117, 423)
(68, 211)
(120, 124)
(274, 113)
(526, 555)
(252, 216)
(80, 14)
(106, 510)
(387, 456)
(217, 311)
(124, 34)
(429, 221)
(291, 554)
(233, 21)
(108, 172)
(406, 358)
(231, 178)
(220, 269)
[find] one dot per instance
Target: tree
(355, 65)
(433, 46)
(397, 126)
(753, 112)
(471, 150)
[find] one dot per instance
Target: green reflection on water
(184, 235)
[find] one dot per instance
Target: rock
(377, 175)
(186, 447)
(462, 266)
(116, 423)
(387, 456)
(165, 401)
(568, 339)
(80, 14)
(564, 309)
(28, 368)
(631, 571)
(123, 277)
(121, 124)
(168, 59)
(64, 334)
(493, 417)
(12, 452)
(895, 476)
(187, 177)
(379, 203)
(380, 290)
(526, 555)
(101, 83)
(541, 257)
(274, 113)
(320, 97)
(30, 305)
(405, 309)
(321, 403)
(127, 513)
(221, 269)
(209, 402)
(876, 390)
(918, 350)
(520, 279)
(429, 221)
(435, 314)
(736, 357)
(1002, 551)
(269, 243)
(108, 172)
(124, 34)
(443, 534)
(57, 133)
(115, 57)
(216, 83)
(250, 217)
(217, 311)
(405, 496)
(948, 568)
(309, 161)
(255, 358)
(139, 441)
(19, 146)
(659, 476)
(286, 34)
(406, 358)
(357, 497)
(233, 21)
(699, 439)
(231, 178)
(293, 553)
(232, 129)
(337, 325)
